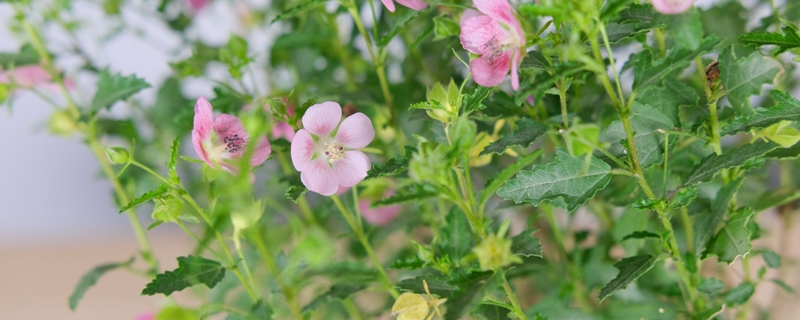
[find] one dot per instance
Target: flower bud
(410, 306)
(494, 253)
(118, 155)
(61, 122)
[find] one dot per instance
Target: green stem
(513, 297)
(662, 48)
(301, 202)
(604, 77)
(367, 246)
(562, 95)
(712, 106)
(269, 262)
(687, 229)
(574, 273)
(611, 59)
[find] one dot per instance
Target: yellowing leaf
(410, 306)
(781, 133)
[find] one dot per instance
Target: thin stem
(611, 59)
(562, 95)
(662, 48)
(301, 202)
(367, 247)
(574, 273)
(194, 236)
(269, 262)
(513, 297)
(687, 229)
(604, 77)
(666, 163)
(712, 106)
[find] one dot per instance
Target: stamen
(234, 143)
(334, 151)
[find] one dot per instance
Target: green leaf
(630, 269)
(645, 123)
(444, 27)
(637, 13)
(90, 278)
(26, 55)
(472, 101)
(710, 286)
(339, 291)
(298, 9)
(115, 127)
(113, 88)
(743, 77)
(783, 285)
(772, 259)
(508, 172)
(650, 69)
(708, 313)
(687, 29)
(740, 294)
(647, 204)
(612, 8)
(172, 164)
(787, 108)
(167, 209)
(397, 25)
(526, 245)
(191, 270)
(393, 167)
(786, 41)
(618, 32)
(564, 178)
(456, 235)
(535, 60)
(792, 152)
(667, 97)
(162, 189)
(641, 235)
(733, 239)
(713, 163)
(414, 192)
(473, 291)
(527, 132)
(295, 192)
(683, 197)
(437, 285)
(706, 224)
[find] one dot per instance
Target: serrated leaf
(772, 259)
(90, 278)
(113, 88)
(472, 101)
(26, 55)
(706, 224)
(733, 239)
(612, 8)
(668, 97)
(527, 132)
(162, 189)
(297, 10)
(508, 172)
(630, 269)
(649, 69)
(645, 123)
(743, 77)
(710, 286)
(172, 164)
(339, 291)
(526, 245)
(563, 178)
(444, 27)
(713, 163)
(641, 235)
(788, 108)
(294, 192)
(618, 32)
(456, 235)
(786, 41)
(473, 291)
(191, 270)
(437, 285)
(687, 29)
(414, 192)
(535, 60)
(683, 197)
(637, 12)
(647, 204)
(740, 294)
(397, 25)
(393, 167)
(410, 263)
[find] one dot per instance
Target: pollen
(334, 151)
(234, 143)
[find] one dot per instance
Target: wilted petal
(672, 6)
(302, 150)
(351, 169)
(321, 119)
(389, 4)
(356, 131)
(497, 9)
(320, 178)
(490, 72)
(261, 153)
(380, 216)
(477, 32)
(413, 4)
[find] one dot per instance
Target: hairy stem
(513, 297)
(712, 106)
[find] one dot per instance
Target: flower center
(334, 151)
(234, 143)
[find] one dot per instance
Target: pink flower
(25, 76)
(380, 216)
(228, 141)
(146, 316)
(283, 130)
(321, 150)
(496, 35)
(672, 6)
(413, 4)
(197, 5)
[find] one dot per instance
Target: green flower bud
(494, 253)
(61, 122)
(118, 155)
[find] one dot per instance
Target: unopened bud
(118, 155)
(494, 253)
(61, 122)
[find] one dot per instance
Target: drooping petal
(413, 4)
(320, 178)
(261, 153)
(351, 169)
(672, 6)
(321, 119)
(490, 72)
(497, 9)
(283, 130)
(197, 142)
(514, 71)
(478, 32)
(378, 216)
(389, 4)
(356, 131)
(203, 120)
(302, 150)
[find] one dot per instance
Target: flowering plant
(549, 159)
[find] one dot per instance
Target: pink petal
(197, 5)
(514, 72)
(283, 130)
(468, 13)
(261, 153)
(413, 4)
(226, 125)
(351, 169)
(672, 6)
(197, 142)
(477, 32)
(389, 4)
(319, 177)
(321, 119)
(356, 131)
(201, 132)
(490, 72)
(302, 150)
(497, 9)
(146, 316)
(26, 76)
(378, 216)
